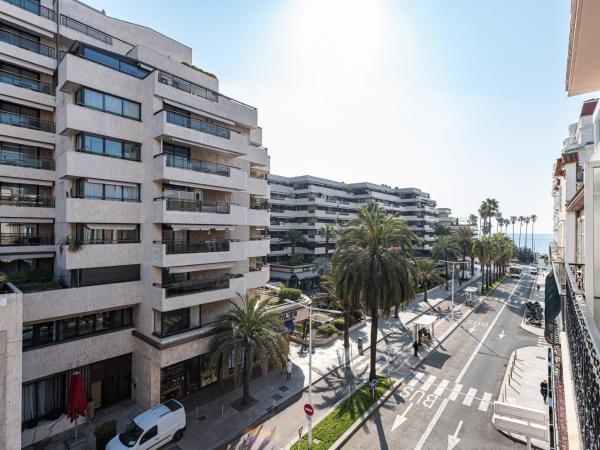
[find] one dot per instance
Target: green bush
(327, 330)
(290, 293)
(338, 323)
(104, 433)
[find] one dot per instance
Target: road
(447, 403)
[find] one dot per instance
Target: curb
(293, 396)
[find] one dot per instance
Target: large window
(95, 189)
(108, 103)
(40, 334)
(25, 156)
(105, 275)
(101, 145)
(117, 62)
(171, 322)
(107, 234)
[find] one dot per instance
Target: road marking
(485, 401)
(441, 388)
(455, 392)
(400, 419)
(453, 439)
(501, 335)
(469, 397)
(416, 379)
(442, 407)
(428, 383)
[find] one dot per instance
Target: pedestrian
(538, 287)
(288, 369)
(416, 348)
(360, 346)
(544, 389)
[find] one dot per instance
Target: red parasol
(77, 400)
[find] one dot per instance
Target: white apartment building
(309, 203)
(132, 210)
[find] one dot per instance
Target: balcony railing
(584, 345)
(85, 29)
(197, 285)
(197, 165)
(179, 247)
(22, 239)
(19, 120)
(199, 125)
(36, 201)
(25, 43)
(35, 8)
(12, 159)
(26, 82)
(176, 204)
(188, 87)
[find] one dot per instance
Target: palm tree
(482, 248)
(329, 232)
(464, 236)
(526, 219)
(371, 265)
(473, 219)
(446, 248)
(533, 219)
(426, 274)
(328, 295)
(294, 238)
(499, 221)
(441, 230)
(521, 219)
(513, 220)
(484, 213)
(254, 335)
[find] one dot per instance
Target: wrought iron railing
(35, 8)
(578, 271)
(86, 29)
(584, 346)
(188, 87)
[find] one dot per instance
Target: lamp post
(454, 263)
(310, 311)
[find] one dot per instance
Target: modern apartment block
(309, 204)
(132, 210)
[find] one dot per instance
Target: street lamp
(454, 263)
(310, 310)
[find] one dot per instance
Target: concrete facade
(132, 209)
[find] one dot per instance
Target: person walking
(544, 389)
(360, 346)
(416, 348)
(288, 369)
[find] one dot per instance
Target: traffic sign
(373, 384)
(308, 409)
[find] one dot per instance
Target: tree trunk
(246, 377)
(472, 263)
(464, 260)
(326, 246)
(347, 328)
(425, 293)
(374, 329)
(396, 311)
(446, 270)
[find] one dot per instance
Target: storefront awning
(552, 305)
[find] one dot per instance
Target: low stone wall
(320, 342)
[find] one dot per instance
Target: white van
(152, 429)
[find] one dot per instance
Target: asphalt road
(447, 402)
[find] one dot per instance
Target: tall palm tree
(295, 238)
(371, 263)
(533, 219)
(329, 232)
(473, 219)
(329, 296)
(527, 220)
(254, 335)
(499, 222)
(446, 248)
(464, 236)
(484, 213)
(482, 248)
(521, 219)
(513, 220)
(426, 274)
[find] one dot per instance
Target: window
(115, 192)
(108, 146)
(108, 103)
(117, 62)
(151, 433)
(91, 234)
(171, 322)
(105, 275)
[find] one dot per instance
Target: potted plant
(104, 433)
(72, 244)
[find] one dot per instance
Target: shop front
(186, 377)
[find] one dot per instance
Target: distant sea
(540, 241)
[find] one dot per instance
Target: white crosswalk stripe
(428, 383)
(441, 388)
(416, 379)
(455, 391)
(485, 401)
(469, 397)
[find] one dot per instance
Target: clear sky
(464, 99)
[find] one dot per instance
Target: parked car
(533, 270)
(152, 429)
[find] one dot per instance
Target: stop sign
(308, 409)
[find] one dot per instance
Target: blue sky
(463, 99)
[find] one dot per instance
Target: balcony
(26, 201)
(99, 254)
(197, 212)
(81, 164)
(25, 240)
(90, 210)
(258, 186)
(185, 130)
(199, 291)
(258, 247)
(177, 168)
(196, 96)
(258, 217)
(35, 8)
(26, 83)
(33, 123)
(257, 277)
(584, 346)
(11, 159)
(189, 253)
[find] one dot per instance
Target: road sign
(373, 384)
(308, 409)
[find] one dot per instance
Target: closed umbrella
(77, 400)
